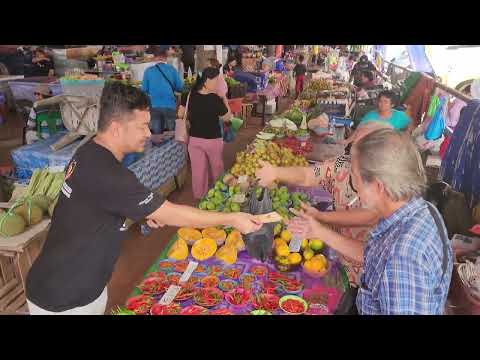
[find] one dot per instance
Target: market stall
(216, 271)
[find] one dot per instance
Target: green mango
(210, 205)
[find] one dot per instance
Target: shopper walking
(160, 82)
(206, 143)
(299, 72)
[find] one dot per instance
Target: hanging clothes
(435, 128)
(418, 99)
(409, 84)
(454, 112)
(461, 165)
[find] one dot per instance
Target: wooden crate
(14, 267)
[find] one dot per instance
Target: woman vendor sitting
(386, 113)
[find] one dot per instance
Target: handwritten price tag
(169, 296)
(238, 198)
(242, 179)
(192, 265)
(295, 243)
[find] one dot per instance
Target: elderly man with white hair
(408, 257)
(349, 218)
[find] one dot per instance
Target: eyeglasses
(37, 94)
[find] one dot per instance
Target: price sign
(169, 296)
(192, 265)
(295, 243)
(242, 179)
(238, 198)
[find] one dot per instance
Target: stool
(246, 112)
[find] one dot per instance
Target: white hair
(393, 159)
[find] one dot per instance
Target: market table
(23, 89)
(159, 164)
(323, 294)
(330, 288)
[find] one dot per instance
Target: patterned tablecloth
(329, 288)
(23, 89)
(158, 165)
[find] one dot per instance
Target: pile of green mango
(282, 200)
(219, 198)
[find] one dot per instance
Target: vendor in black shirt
(205, 146)
(71, 274)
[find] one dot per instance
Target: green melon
(11, 224)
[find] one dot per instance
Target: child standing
(299, 72)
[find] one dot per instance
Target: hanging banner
(419, 59)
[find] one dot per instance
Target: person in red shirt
(299, 72)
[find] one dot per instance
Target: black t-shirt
(204, 113)
(87, 229)
(41, 68)
(300, 69)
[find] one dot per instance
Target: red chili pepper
(293, 306)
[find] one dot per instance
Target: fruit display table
(298, 276)
(264, 285)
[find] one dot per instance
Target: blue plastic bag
(437, 124)
(228, 133)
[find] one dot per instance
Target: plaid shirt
(403, 265)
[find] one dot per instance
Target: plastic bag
(437, 125)
(259, 244)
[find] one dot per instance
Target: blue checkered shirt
(403, 265)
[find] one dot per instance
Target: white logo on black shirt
(147, 200)
(66, 190)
